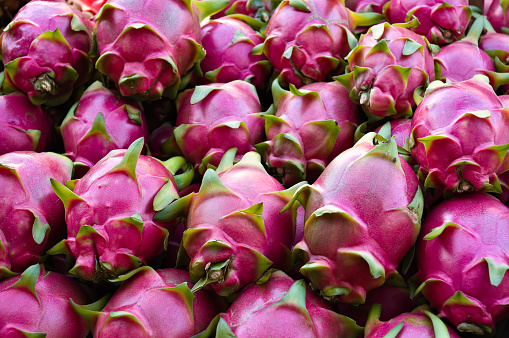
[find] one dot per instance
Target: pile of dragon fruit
(254, 168)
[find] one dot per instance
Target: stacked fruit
(236, 168)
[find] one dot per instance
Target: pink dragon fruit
(234, 232)
(228, 43)
(109, 214)
(351, 246)
(278, 306)
(497, 14)
(418, 323)
(496, 45)
(310, 127)
(260, 10)
(400, 129)
(306, 40)
(99, 122)
(158, 139)
(32, 215)
(463, 260)
(387, 68)
(441, 140)
(27, 126)
(40, 34)
(146, 46)
(463, 59)
(214, 118)
(89, 7)
(38, 304)
(376, 6)
(441, 21)
(155, 303)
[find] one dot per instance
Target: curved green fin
(253, 214)
(166, 195)
(376, 269)
(223, 330)
(212, 330)
(304, 92)
(417, 204)
(387, 149)
(409, 24)
(32, 334)
(251, 160)
(475, 31)
(373, 317)
(305, 190)
(278, 93)
(98, 126)
(496, 270)
(133, 113)
(380, 47)
(207, 8)
(226, 161)
(435, 232)
(54, 36)
(60, 248)
(212, 74)
(393, 333)
(28, 279)
(438, 325)
(411, 47)
(130, 160)
(239, 36)
(178, 208)
(186, 294)
(365, 19)
(76, 24)
(255, 23)
(64, 193)
(126, 315)
(131, 273)
(91, 312)
(288, 52)
(377, 31)
(34, 136)
(258, 49)
(39, 228)
(201, 92)
(300, 5)
(296, 296)
(426, 141)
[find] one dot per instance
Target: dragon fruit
(306, 40)
(310, 127)
(89, 7)
(214, 118)
(228, 43)
(37, 304)
(158, 139)
(387, 68)
(351, 246)
(146, 46)
(496, 45)
(27, 126)
(497, 14)
(260, 10)
(441, 21)
(99, 122)
(32, 215)
(278, 306)
(109, 214)
(462, 59)
(463, 260)
(376, 6)
(418, 323)
(40, 34)
(155, 303)
(234, 232)
(442, 139)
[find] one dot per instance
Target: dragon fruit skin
(109, 214)
(384, 70)
(155, 303)
(310, 127)
(496, 12)
(441, 22)
(307, 40)
(260, 10)
(463, 258)
(27, 126)
(376, 6)
(41, 33)
(234, 231)
(99, 122)
(37, 303)
(138, 44)
(228, 43)
(441, 141)
(350, 246)
(32, 215)
(211, 119)
(418, 323)
(282, 307)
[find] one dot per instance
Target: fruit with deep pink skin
(32, 215)
(419, 323)
(234, 231)
(309, 128)
(228, 43)
(497, 14)
(279, 306)
(38, 304)
(214, 118)
(441, 22)
(146, 47)
(109, 214)
(351, 246)
(459, 136)
(101, 121)
(155, 303)
(261, 10)
(376, 6)
(496, 45)
(463, 261)
(307, 40)
(385, 70)
(25, 126)
(45, 51)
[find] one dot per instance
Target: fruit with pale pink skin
(350, 246)
(234, 231)
(441, 142)
(25, 126)
(101, 121)
(441, 22)
(310, 127)
(37, 303)
(32, 215)
(463, 261)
